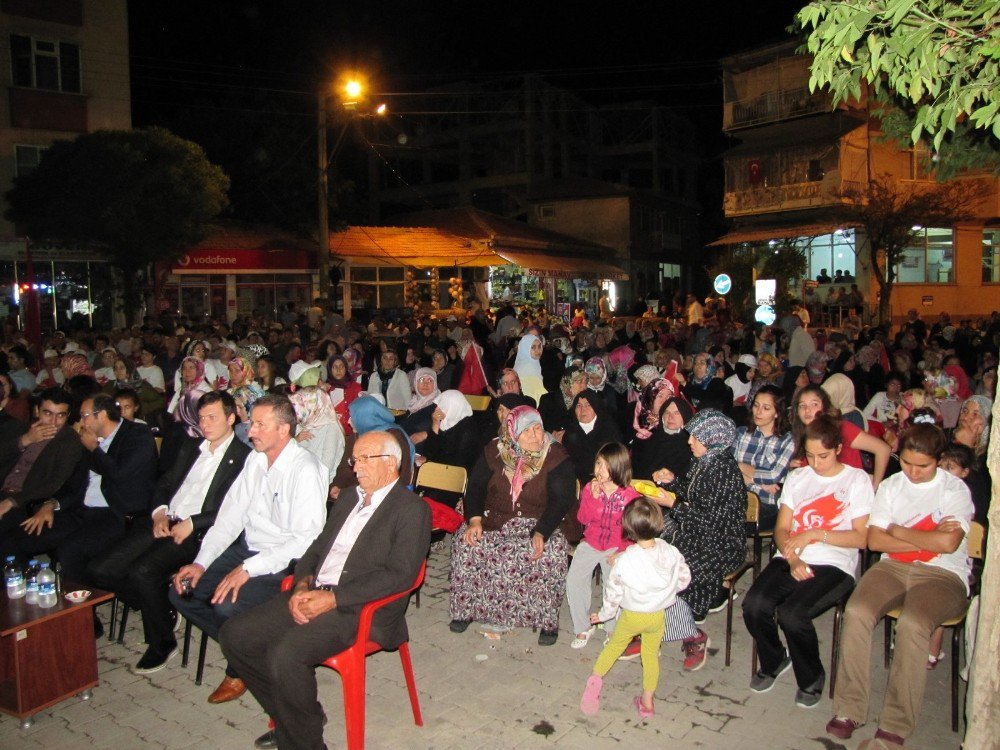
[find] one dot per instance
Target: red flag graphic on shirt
(927, 523)
(473, 380)
(822, 513)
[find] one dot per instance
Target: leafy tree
(889, 211)
(941, 56)
(139, 196)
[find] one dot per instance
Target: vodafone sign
(230, 261)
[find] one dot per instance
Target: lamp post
(352, 92)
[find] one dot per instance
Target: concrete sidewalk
(475, 693)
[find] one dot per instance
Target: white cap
(748, 359)
(299, 367)
(50, 353)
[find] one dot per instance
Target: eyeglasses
(355, 460)
(88, 414)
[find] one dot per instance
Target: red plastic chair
(350, 663)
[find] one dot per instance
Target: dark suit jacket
(54, 474)
(127, 469)
(230, 468)
(384, 560)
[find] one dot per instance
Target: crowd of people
(187, 466)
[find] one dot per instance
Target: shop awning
(764, 234)
(563, 268)
(420, 247)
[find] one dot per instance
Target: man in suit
(186, 499)
(373, 544)
(43, 476)
(121, 459)
(271, 514)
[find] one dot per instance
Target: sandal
(933, 661)
(582, 639)
(644, 713)
(590, 703)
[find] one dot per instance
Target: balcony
(47, 110)
(774, 106)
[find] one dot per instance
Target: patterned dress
(711, 513)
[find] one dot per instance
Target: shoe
(933, 661)
(459, 626)
(632, 650)
(722, 600)
(842, 727)
(762, 681)
(548, 637)
(644, 713)
(809, 696)
(266, 741)
(700, 619)
(582, 639)
(153, 660)
(229, 689)
(696, 651)
(888, 738)
(590, 703)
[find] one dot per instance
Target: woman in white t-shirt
(920, 520)
(820, 529)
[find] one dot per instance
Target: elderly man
(270, 515)
(373, 543)
(187, 498)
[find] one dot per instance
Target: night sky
(240, 77)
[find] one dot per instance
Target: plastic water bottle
(31, 582)
(14, 578)
(46, 587)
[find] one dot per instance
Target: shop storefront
(237, 272)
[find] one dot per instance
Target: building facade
(794, 167)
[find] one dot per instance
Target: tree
(138, 196)
(784, 262)
(892, 212)
(941, 56)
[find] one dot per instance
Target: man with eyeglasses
(373, 544)
(271, 514)
(43, 478)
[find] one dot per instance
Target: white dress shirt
(282, 509)
(190, 496)
(95, 495)
(357, 519)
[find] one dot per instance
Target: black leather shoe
(548, 637)
(266, 741)
(459, 626)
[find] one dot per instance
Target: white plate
(75, 597)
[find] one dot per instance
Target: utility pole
(323, 203)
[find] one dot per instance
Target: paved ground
(475, 693)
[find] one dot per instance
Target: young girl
(644, 581)
(602, 503)
(822, 523)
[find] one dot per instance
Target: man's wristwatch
(54, 503)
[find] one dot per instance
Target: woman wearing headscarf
(597, 381)
(126, 376)
(243, 385)
(620, 361)
(704, 390)
(768, 372)
(840, 388)
(452, 437)
(527, 365)
(709, 507)
(649, 406)
(590, 426)
(667, 447)
(74, 363)
(417, 420)
(740, 381)
(868, 375)
(444, 370)
(555, 406)
(343, 389)
(973, 429)
(318, 429)
(184, 405)
(509, 560)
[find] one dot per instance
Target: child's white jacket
(645, 580)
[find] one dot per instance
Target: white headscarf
(524, 363)
(417, 401)
(455, 406)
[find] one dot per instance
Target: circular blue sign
(722, 283)
(765, 314)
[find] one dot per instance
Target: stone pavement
(474, 693)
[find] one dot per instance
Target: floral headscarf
(73, 364)
(199, 365)
(647, 409)
(704, 382)
(595, 367)
(713, 429)
(620, 360)
(645, 375)
(353, 359)
(187, 400)
(520, 466)
(313, 408)
(573, 376)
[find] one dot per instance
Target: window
(45, 64)
(830, 252)
(991, 255)
(929, 260)
(26, 159)
(376, 286)
(545, 211)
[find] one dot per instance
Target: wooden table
(46, 655)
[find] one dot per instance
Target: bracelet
(826, 535)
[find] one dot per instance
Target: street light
(352, 92)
